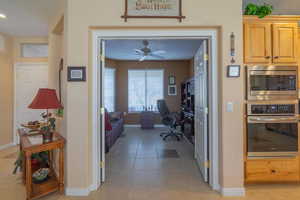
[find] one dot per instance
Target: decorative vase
(34, 163)
(47, 136)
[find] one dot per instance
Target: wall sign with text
(153, 9)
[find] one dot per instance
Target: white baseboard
(159, 126)
(233, 192)
(94, 187)
(77, 192)
(139, 126)
(132, 125)
(2, 147)
(216, 187)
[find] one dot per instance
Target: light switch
(229, 107)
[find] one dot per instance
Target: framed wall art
(233, 71)
(172, 80)
(76, 74)
(153, 9)
(172, 90)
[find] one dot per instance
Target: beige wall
(8, 58)
(6, 94)
(179, 69)
(80, 15)
(109, 63)
(56, 53)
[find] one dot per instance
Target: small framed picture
(233, 71)
(172, 80)
(172, 90)
(76, 74)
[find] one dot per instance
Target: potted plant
(259, 10)
(48, 128)
(46, 99)
(37, 160)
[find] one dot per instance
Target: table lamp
(46, 99)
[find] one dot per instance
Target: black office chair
(171, 120)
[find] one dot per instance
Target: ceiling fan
(147, 52)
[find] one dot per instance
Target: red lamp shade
(45, 99)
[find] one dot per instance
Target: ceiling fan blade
(142, 58)
(157, 56)
(138, 51)
(159, 52)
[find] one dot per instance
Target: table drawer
(273, 170)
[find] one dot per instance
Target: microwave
(272, 82)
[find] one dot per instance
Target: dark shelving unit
(188, 108)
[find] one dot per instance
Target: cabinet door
(285, 40)
(298, 56)
(257, 43)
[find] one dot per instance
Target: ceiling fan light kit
(146, 52)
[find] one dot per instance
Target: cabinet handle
(273, 171)
(267, 57)
(276, 57)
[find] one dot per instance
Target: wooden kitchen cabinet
(298, 55)
(272, 170)
(270, 41)
(285, 40)
(258, 43)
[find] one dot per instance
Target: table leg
(51, 158)
(24, 168)
(61, 170)
(28, 175)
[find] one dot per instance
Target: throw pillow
(114, 116)
(108, 126)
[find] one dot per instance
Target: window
(34, 50)
(145, 87)
(109, 90)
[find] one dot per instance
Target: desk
(32, 143)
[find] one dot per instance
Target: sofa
(114, 127)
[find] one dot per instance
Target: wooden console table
(33, 143)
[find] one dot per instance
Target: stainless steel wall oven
(272, 129)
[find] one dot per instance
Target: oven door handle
(276, 120)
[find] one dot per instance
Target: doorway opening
(147, 80)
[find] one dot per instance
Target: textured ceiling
(175, 49)
(28, 17)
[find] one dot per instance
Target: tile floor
(138, 168)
